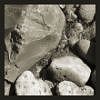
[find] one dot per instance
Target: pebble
(69, 88)
(69, 68)
(27, 84)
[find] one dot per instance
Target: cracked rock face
(69, 68)
(30, 32)
(26, 84)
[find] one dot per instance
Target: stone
(31, 31)
(69, 68)
(27, 84)
(87, 12)
(50, 84)
(87, 91)
(68, 88)
(69, 12)
(78, 27)
(86, 50)
(62, 6)
(7, 87)
(71, 89)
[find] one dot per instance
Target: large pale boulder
(27, 84)
(30, 32)
(69, 68)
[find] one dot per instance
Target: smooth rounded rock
(69, 68)
(26, 84)
(87, 12)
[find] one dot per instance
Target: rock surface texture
(87, 12)
(30, 32)
(50, 50)
(26, 84)
(69, 88)
(70, 68)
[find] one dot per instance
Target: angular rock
(87, 91)
(69, 68)
(30, 32)
(27, 84)
(68, 88)
(87, 12)
(85, 49)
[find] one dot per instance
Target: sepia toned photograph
(50, 50)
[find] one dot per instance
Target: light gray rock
(7, 87)
(68, 88)
(87, 12)
(27, 84)
(87, 91)
(69, 68)
(30, 32)
(71, 89)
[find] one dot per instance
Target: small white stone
(68, 88)
(87, 90)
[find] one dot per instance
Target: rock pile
(50, 50)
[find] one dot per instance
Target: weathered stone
(69, 68)
(7, 87)
(86, 49)
(87, 12)
(87, 91)
(30, 32)
(68, 88)
(27, 84)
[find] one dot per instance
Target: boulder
(27, 84)
(31, 31)
(69, 68)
